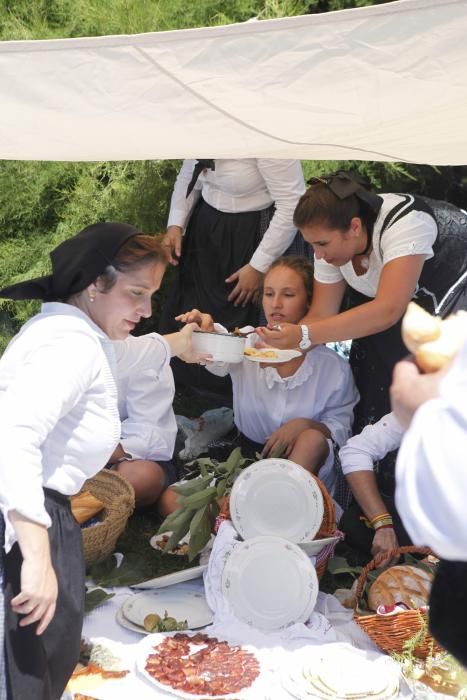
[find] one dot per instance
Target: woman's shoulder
(66, 328)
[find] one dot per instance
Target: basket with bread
(392, 610)
(109, 500)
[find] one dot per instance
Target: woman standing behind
(228, 221)
(58, 426)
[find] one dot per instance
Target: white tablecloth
(330, 623)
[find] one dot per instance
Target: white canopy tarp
(387, 82)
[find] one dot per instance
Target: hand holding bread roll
(433, 341)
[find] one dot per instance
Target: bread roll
(433, 341)
(407, 584)
(84, 506)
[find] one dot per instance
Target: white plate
(315, 546)
(176, 577)
(270, 583)
(281, 356)
(363, 674)
(180, 604)
(155, 538)
(121, 619)
(276, 497)
(146, 647)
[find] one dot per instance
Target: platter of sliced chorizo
(198, 665)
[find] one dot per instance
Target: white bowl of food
(223, 347)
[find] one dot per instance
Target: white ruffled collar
(271, 376)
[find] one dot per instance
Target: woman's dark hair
(137, 252)
(319, 205)
(302, 266)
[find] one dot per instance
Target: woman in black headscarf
(59, 424)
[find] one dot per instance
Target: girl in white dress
(305, 405)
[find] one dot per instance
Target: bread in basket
(118, 497)
(392, 632)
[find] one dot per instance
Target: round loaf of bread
(401, 584)
(434, 342)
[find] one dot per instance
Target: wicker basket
(392, 631)
(118, 496)
(328, 524)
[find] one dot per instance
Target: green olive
(169, 624)
(152, 622)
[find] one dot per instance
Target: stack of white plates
(180, 603)
(340, 672)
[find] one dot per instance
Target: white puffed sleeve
(373, 443)
(145, 395)
(285, 183)
(181, 206)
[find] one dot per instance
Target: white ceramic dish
(361, 674)
(176, 577)
(155, 539)
(276, 497)
(146, 647)
(204, 553)
(314, 547)
(222, 346)
(180, 604)
(121, 619)
(270, 583)
(281, 356)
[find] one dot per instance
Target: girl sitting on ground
(303, 406)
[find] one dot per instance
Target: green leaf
(277, 452)
(339, 565)
(180, 529)
(133, 569)
(95, 598)
(103, 569)
(233, 460)
(200, 531)
(171, 521)
(200, 499)
(221, 486)
(192, 486)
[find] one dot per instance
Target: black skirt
(216, 244)
(39, 667)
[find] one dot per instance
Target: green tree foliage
(42, 203)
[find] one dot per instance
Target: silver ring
(277, 328)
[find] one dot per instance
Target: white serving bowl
(222, 346)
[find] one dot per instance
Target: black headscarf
(76, 263)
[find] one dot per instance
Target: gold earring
(92, 298)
